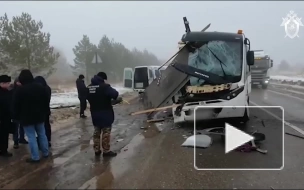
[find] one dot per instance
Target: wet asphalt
(153, 157)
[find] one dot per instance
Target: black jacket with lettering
(100, 95)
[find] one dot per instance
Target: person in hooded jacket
(41, 80)
(5, 114)
(82, 92)
(18, 136)
(99, 96)
(31, 107)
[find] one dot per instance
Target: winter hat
(103, 75)
(5, 78)
(26, 77)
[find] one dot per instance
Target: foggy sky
(158, 26)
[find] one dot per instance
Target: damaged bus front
(211, 69)
(219, 70)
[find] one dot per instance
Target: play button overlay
(230, 135)
(235, 138)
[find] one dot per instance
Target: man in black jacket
(5, 114)
(19, 132)
(30, 107)
(99, 96)
(82, 92)
(41, 80)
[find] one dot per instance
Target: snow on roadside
(287, 78)
(71, 98)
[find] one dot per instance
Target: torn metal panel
(159, 92)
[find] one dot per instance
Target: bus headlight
(266, 81)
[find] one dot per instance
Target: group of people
(99, 94)
(25, 109)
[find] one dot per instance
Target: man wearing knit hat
(5, 114)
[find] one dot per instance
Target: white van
(141, 77)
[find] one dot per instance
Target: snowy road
(70, 98)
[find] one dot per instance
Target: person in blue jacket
(99, 96)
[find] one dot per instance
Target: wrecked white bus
(212, 69)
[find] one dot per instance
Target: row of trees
(24, 45)
(114, 57)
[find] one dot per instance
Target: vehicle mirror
(250, 58)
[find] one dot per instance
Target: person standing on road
(99, 95)
(41, 80)
(82, 92)
(5, 114)
(18, 136)
(30, 107)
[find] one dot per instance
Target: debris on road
(294, 135)
(119, 140)
(201, 141)
(155, 120)
(154, 109)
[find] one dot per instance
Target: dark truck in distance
(260, 70)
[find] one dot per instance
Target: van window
(128, 74)
(157, 73)
(151, 73)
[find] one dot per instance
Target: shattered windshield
(209, 57)
(261, 63)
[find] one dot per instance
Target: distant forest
(23, 44)
(114, 58)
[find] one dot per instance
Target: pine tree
(26, 45)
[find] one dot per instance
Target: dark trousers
(4, 133)
(83, 105)
(19, 133)
(47, 126)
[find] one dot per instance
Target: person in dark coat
(104, 76)
(82, 92)
(31, 107)
(18, 136)
(5, 114)
(40, 80)
(99, 96)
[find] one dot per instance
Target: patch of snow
(287, 78)
(71, 98)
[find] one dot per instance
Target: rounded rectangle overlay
(270, 152)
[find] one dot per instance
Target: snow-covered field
(71, 98)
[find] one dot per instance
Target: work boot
(30, 160)
(98, 153)
(83, 116)
(23, 141)
(109, 154)
(6, 154)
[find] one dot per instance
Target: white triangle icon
(235, 138)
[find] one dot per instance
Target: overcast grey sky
(158, 26)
